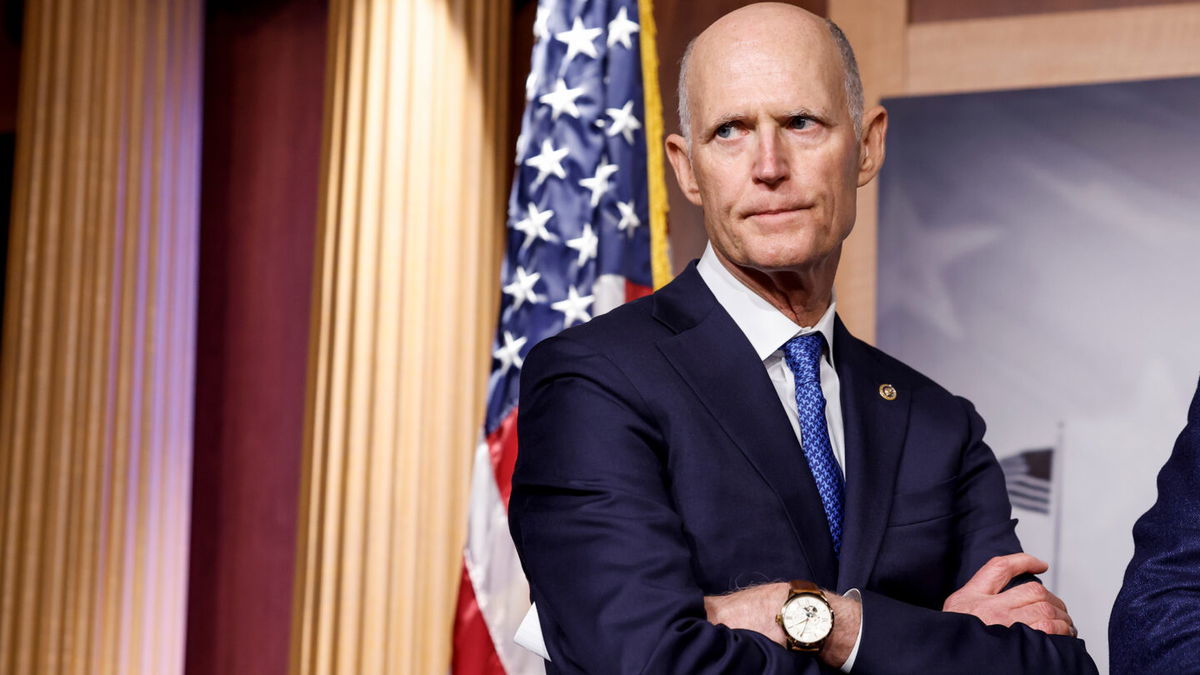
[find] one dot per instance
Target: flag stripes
(1027, 475)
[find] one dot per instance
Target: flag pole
(1057, 462)
(660, 261)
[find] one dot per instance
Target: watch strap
(802, 586)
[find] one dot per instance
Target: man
(1155, 624)
(697, 463)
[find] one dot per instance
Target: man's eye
(725, 130)
(799, 123)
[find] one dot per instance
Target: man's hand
(756, 608)
(1030, 603)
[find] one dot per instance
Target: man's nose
(770, 165)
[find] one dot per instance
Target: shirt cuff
(854, 595)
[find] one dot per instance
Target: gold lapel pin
(888, 392)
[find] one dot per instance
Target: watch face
(807, 619)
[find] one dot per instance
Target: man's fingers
(997, 572)
(1051, 598)
(1054, 627)
(1056, 601)
(1032, 593)
(1029, 593)
(1027, 603)
(1045, 610)
(1017, 606)
(1031, 614)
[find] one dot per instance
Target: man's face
(774, 158)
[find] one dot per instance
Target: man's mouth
(775, 213)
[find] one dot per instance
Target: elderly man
(704, 473)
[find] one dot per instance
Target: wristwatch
(806, 617)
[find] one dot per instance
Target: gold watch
(806, 617)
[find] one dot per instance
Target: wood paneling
(1054, 49)
(923, 11)
(876, 29)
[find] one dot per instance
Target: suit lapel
(712, 355)
(874, 439)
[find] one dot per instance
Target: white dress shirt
(768, 329)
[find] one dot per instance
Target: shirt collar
(764, 326)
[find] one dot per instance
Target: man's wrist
(847, 617)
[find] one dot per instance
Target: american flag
(578, 245)
(1028, 475)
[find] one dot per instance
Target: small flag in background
(1027, 474)
(587, 209)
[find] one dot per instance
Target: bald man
(720, 478)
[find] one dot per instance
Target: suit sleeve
(1154, 621)
(599, 540)
(899, 637)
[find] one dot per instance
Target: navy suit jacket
(657, 466)
(1155, 624)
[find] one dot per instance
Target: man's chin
(785, 260)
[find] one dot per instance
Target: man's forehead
(750, 72)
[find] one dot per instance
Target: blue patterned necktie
(803, 356)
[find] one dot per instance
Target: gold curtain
(96, 376)
(406, 283)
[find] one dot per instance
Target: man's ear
(871, 148)
(677, 152)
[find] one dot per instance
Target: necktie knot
(803, 356)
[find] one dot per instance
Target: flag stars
(541, 22)
(521, 288)
(598, 183)
(534, 226)
(574, 307)
(585, 244)
(509, 354)
(621, 29)
(579, 40)
(562, 100)
(629, 218)
(623, 122)
(548, 161)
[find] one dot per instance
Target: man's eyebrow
(811, 114)
(723, 120)
(793, 113)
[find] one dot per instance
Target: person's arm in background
(1155, 622)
